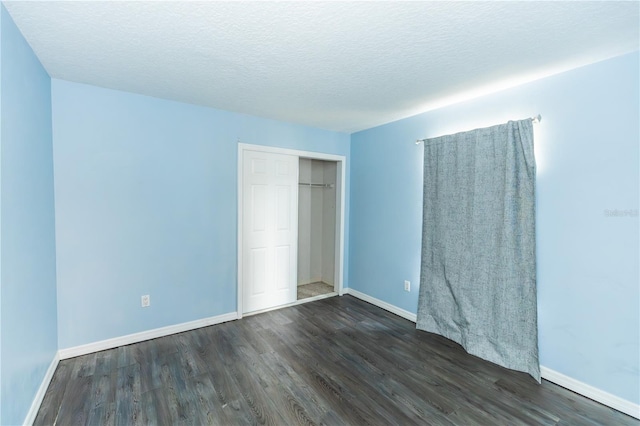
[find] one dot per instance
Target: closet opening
(291, 218)
(316, 227)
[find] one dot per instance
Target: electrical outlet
(145, 301)
(407, 285)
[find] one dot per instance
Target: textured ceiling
(342, 66)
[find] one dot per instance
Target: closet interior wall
(316, 221)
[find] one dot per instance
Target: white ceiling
(342, 66)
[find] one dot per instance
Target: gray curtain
(478, 274)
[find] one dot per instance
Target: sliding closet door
(269, 223)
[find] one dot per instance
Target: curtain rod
(534, 120)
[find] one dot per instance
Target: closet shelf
(316, 185)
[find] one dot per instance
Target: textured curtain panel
(478, 275)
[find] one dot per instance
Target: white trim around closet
(340, 213)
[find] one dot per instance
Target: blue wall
(145, 203)
(146, 194)
(27, 241)
(587, 149)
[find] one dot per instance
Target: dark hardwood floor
(337, 361)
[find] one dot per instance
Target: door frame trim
(340, 213)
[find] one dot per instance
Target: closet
(316, 227)
(290, 226)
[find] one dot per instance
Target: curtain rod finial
(537, 118)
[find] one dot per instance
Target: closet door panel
(269, 223)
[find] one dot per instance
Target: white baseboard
(144, 335)
(605, 398)
(37, 400)
(379, 303)
(591, 392)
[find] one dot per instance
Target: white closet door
(269, 228)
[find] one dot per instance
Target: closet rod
(316, 185)
(534, 120)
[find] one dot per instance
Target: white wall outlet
(407, 285)
(145, 301)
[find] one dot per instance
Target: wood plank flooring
(337, 361)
